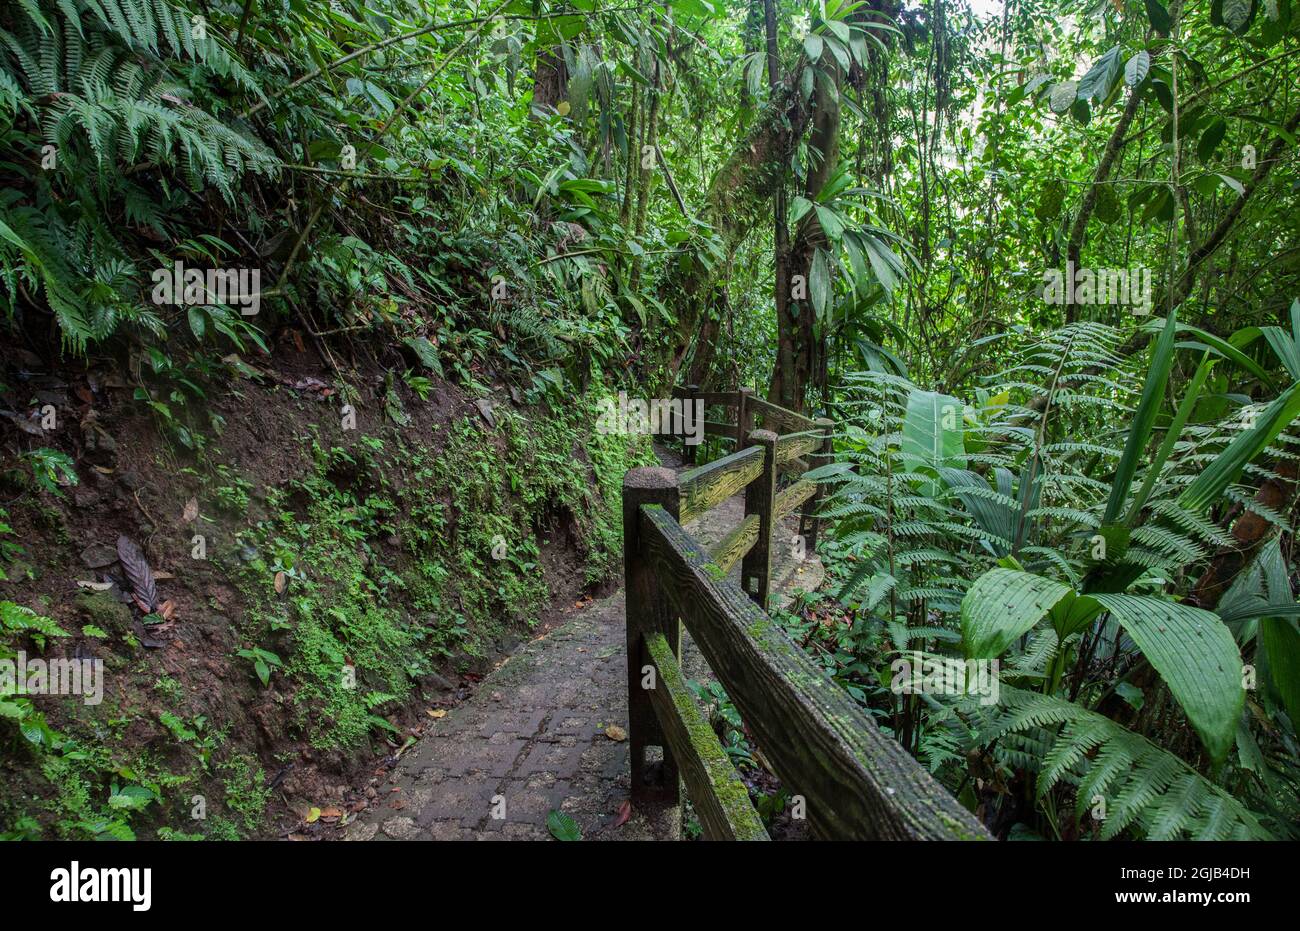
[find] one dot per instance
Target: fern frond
(1143, 786)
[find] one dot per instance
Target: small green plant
(422, 386)
(50, 469)
(18, 620)
(246, 790)
(232, 497)
(264, 662)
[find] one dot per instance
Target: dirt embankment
(334, 560)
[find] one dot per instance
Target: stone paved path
(534, 737)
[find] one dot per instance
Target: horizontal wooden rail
(791, 446)
(721, 800)
(857, 783)
(777, 418)
(709, 485)
(716, 428)
(790, 498)
(710, 398)
(729, 550)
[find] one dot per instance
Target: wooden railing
(853, 782)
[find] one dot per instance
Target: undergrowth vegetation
(240, 224)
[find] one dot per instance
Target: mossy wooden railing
(853, 781)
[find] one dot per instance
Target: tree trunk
(550, 80)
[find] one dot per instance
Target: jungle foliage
(850, 205)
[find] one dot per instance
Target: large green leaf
(1144, 418)
(1205, 339)
(933, 432)
(1194, 652)
(1284, 345)
(1101, 77)
(1185, 407)
(1160, 19)
(1135, 72)
(1279, 638)
(1206, 488)
(1002, 605)
(1236, 14)
(993, 509)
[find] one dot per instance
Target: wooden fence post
(809, 523)
(647, 611)
(689, 453)
(744, 417)
(760, 499)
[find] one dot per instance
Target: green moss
(724, 782)
(105, 611)
(246, 794)
(360, 620)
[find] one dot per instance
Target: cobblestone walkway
(536, 735)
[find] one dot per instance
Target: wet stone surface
(534, 737)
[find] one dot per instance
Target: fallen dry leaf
(191, 511)
(624, 812)
(137, 573)
(280, 582)
(436, 712)
(95, 586)
(330, 814)
(614, 732)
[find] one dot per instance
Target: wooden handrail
(793, 445)
(776, 417)
(856, 781)
(736, 544)
(709, 485)
(790, 498)
(720, 798)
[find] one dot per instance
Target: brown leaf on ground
(614, 732)
(137, 573)
(280, 582)
(191, 512)
(624, 812)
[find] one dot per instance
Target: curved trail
(534, 736)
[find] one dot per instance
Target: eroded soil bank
(335, 559)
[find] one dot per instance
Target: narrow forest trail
(534, 736)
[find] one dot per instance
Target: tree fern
(1146, 790)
